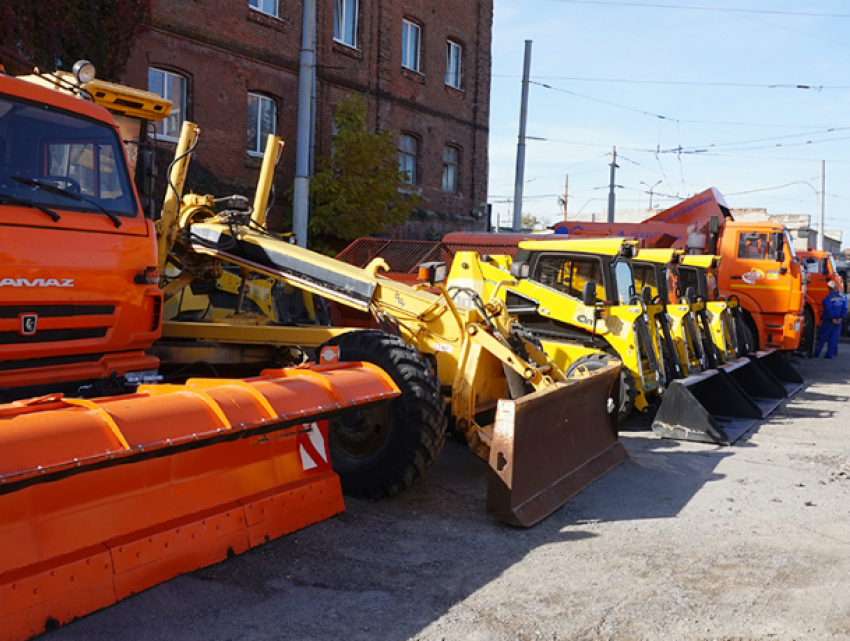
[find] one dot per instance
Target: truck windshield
(43, 145)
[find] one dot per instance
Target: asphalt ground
(682, 541)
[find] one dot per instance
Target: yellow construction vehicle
(743, 390)
(544, 437)
(580, 330)
(698, 403)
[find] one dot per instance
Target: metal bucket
(550, 445)
(774, 362)
(708, 407)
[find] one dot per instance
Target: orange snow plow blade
(102, 499)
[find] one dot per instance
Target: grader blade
(708, 407)
(101, 499)
(776, 364)
(551, 444)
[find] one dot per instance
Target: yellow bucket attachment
(551, 444)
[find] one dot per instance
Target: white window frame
(451, 170)
(411, 53)
(163, 129)
(345, 33)
(408, 160)
(454, 61)
(263, 6)
(260, 142)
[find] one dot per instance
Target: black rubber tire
(628, 387)
(751, 335)
(382, 452)
(807, 340)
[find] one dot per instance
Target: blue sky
(692, 94)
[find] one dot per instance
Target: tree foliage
(356, 190)
(532, 223)
(54, 34)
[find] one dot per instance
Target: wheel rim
(360, 434)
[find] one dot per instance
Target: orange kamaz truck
(111, 482)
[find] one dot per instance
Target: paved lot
(683, 541)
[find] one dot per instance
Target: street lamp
(650, 190)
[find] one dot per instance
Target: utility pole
(821, 198)
(566, 194)
(611, 187)
(301, 187)
(520, 151)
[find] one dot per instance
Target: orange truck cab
(79, 295)
(758, 266)
(819, 267)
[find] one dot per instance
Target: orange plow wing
(102, 499)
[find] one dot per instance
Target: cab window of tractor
(645, 277)
(689, 278)
(569, 274)
(675, 286)
(625, 281)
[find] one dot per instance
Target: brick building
(423, 66)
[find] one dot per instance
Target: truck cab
(88, 313)
(759, 266)
(819, 268)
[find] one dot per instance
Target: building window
(451, 161)
(410, 41)
(453, 57)
(172, 87)
(262, 115)
(408, 154)
(265, 6)
(345, 22)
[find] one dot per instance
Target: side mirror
(777, 242)
(145, 175)
(588, 294)
(713, 233)
(520, 270)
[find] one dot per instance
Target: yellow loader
(733, 392)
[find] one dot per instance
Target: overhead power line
(772, 12)
(690, 83)
(670, 118)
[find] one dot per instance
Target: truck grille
(53, 311)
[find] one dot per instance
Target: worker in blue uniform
(834, 311)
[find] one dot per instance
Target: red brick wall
(226, 50)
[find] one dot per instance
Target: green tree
(531, 223)
(54, 34)
(357, 189)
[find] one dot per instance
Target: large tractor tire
(628, 387)
(386, 450)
